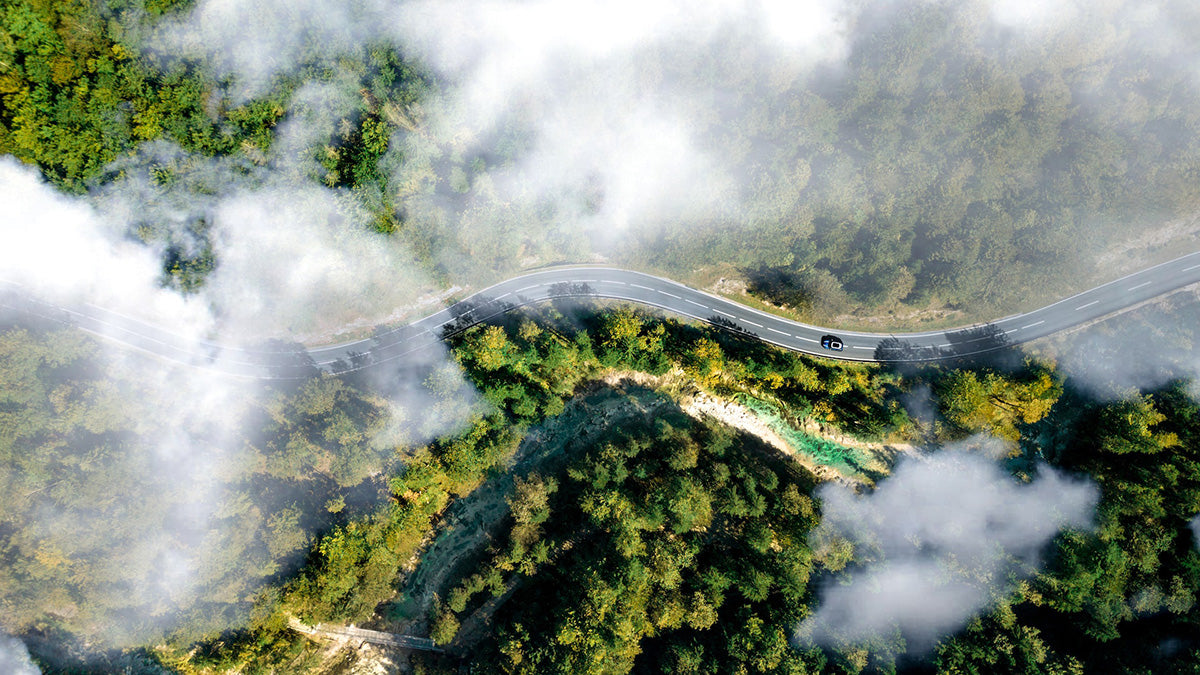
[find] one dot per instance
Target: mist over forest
(966, 156)
(297, 172)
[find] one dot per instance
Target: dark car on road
(832, 342)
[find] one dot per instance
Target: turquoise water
(848, 462)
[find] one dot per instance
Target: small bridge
(366, 635)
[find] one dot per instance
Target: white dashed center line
(1139, 286)
(726, 314)
(670, 295)
(1189, 269)
(752, 323)
(644, 288)
(1094, 302)
(1032, 325)
(697, 304)
(780, 332)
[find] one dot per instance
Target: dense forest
(945, 164)
(940, 168)
(688, 541)
(1107, 600)
(948, 163)
(124, 525)
(666, 549)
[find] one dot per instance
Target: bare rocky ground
(353, 657)
(700, 404)
(740, 417)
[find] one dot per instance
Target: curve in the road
(283, 361)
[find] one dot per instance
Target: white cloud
(617, 131)
(1142, 349)
(495, 50)
(292, 260)
(653, 105)
(14, 658)
(611, 169)
(939, 540)
(596, 85)
(817, 29)
(289, 263)
(258, 40)
(69, 250)
(1035, 15)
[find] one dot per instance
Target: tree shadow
(288, 360)
(469, 313)
(777, 285)
(465, 314)
(472, 312)
(722, 322)
(567, 289)
(981, 346)
(354, 361)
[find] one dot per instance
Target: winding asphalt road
(392, 345)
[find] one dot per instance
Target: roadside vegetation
(528, 370)
(687, 540)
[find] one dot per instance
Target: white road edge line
(422, 324)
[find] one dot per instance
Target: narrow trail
(365, 635)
